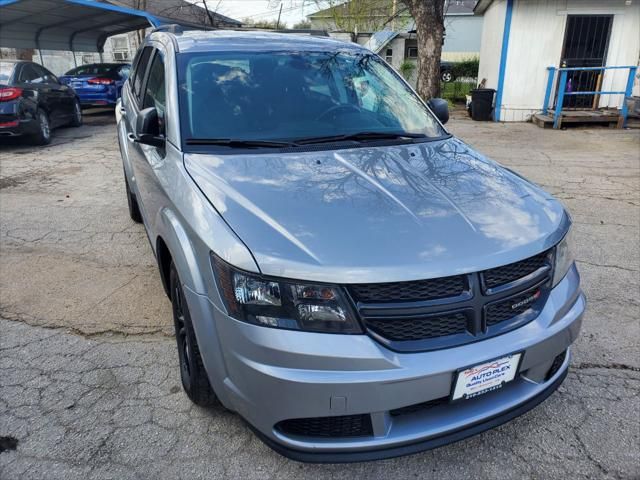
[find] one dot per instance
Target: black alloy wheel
(192, 373)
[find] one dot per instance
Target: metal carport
(75, 25)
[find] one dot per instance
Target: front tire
(43, 136)
(76, 121)
(447, 76)
(192, 373)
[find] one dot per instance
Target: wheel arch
(164, 258)
(172, 244)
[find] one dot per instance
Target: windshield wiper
(238, 143)
(359, 136)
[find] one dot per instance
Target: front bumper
(270, 375)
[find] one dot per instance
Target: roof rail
(171, 28)
(303, 31)
(177, 28)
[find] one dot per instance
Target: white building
(462, 28)
(521, 38)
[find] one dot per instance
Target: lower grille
(511, 307)
(419, 328)
(328, 427)
(418, 407)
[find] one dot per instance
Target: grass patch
(456, 91)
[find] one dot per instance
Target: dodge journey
(347, 276)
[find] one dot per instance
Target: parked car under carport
(33, 102)
(97, 84)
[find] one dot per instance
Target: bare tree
(199, 12)
(355, 16)
(371, 15)
(429, 18)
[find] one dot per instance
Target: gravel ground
(89, 383)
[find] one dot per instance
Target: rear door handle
(123, 112)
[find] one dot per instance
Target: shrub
(407, 68)
(466, 68)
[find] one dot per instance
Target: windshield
(284, 96)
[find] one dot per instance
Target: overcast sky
(292, 10)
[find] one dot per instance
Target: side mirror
(148, 129)
(440, 108)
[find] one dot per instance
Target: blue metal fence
(562, 89)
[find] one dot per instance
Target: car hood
(378, 214)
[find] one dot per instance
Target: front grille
(514, 271)
(328, 427)
(511, 307)
(419, 290)
(419, 407)
(451, 311)
(402, 329)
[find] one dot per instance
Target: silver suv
(351, 279)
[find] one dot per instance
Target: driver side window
(154, 94)
(48, 76)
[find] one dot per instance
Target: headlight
(563, 258)
(283, 303)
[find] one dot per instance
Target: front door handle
(131, 137)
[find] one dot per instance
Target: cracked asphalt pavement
(89, 381)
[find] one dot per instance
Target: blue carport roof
(79, 25)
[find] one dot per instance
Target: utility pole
(142, 5)
(394, 12)
(279, 13)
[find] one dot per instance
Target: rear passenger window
(154, 95)
(141, 68)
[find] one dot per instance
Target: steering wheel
(337, 108)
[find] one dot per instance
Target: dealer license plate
(485, 377)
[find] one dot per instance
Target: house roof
(376, 7)
(181, 11)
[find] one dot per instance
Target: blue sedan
(97, 84)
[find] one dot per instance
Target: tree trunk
(429, 18)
